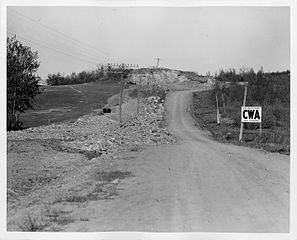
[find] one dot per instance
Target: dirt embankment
(52, 168)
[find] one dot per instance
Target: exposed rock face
(161, 76)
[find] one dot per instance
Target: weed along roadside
(267, 127)
(55, 170)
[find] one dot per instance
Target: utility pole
(121, 99)
(122, 71)
(244, 101)
(218, 111)
(158, 60)
(138, 95)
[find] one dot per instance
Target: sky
(201, 39)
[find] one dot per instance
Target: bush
(235, 112)
(268, 119)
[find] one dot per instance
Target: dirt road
(196, 185)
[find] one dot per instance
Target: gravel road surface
(197, 185)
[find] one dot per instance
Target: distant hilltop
(161, 75)
(154, 75)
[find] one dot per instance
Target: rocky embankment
(51, 167)
(103, 134)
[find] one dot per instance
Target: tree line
(100, 74)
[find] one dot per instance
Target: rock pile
(103, 134)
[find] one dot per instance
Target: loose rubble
(103, 134)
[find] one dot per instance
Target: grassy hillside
(59, 103)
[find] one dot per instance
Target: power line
(55, 50)
(58, 32)
(62, 34)
(88, 56)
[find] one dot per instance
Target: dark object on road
(106, 110)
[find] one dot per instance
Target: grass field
(66, 102)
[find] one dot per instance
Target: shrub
(268, 118)
(33, 224)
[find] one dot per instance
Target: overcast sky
(72, 39)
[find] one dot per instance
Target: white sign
(251, 114)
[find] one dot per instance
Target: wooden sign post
(244, 100)
(252, 115)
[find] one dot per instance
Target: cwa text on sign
(251, 114)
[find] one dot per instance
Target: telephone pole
(138, 95)
(122, 70)
(121, 99)
(158, 60)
